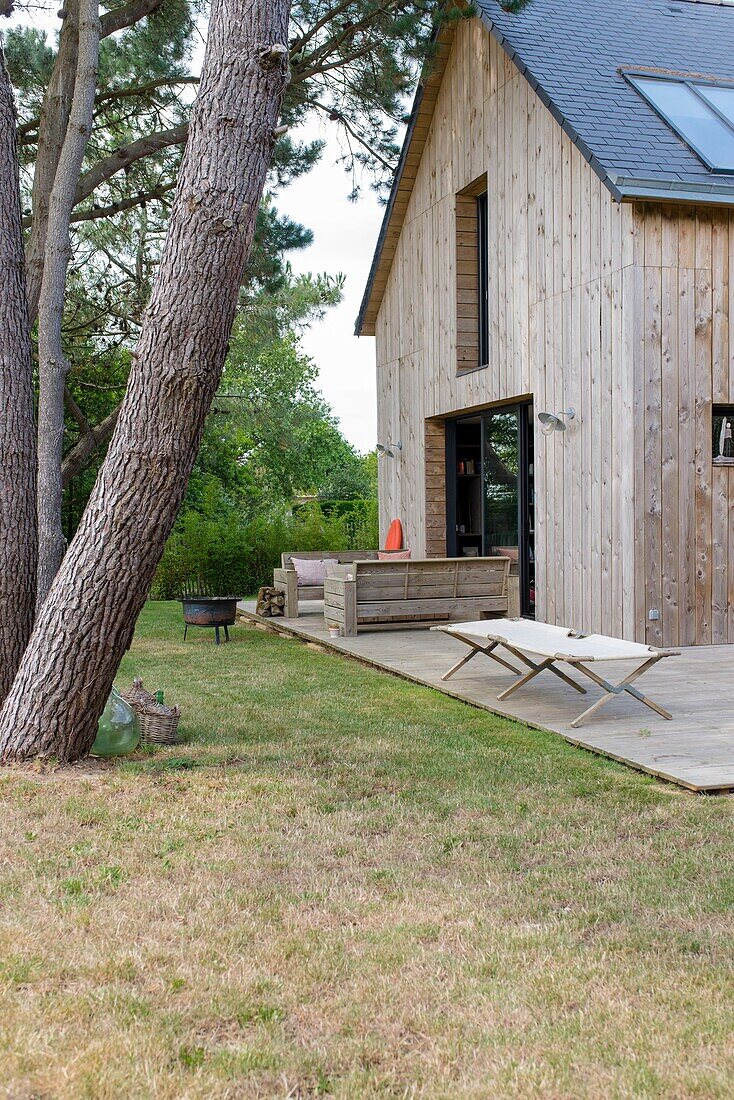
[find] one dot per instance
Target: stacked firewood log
(270, 602)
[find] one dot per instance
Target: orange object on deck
(394, 540)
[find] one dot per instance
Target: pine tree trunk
(53, 121)
(52, 363)
(17, 423)
(89, 616)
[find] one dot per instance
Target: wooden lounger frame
(549, 663)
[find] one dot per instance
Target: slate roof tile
(575, 49)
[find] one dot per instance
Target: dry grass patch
(346, 885)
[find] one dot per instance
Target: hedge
(231, 558)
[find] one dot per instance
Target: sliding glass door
(493, 504)
(509, 504)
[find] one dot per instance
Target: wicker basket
(159, 724)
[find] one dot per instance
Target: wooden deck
(695, 750)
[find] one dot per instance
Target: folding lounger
(557, 645)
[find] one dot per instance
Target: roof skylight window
(701, 113)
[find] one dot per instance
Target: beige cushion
(310, 571)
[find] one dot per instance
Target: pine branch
(298, 44)
(127, 15)
(332, 45)
(338, 63)
(28, 131)
(145, 89)
(77, 458)
(334, 116)
(127, 154)
(84, 426)
(94, 213)
(140, 199)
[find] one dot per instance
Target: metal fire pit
(213, 611)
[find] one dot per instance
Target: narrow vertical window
(483, 278)
(472, 325)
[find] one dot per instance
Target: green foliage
(275, 236)
(270, 436)
(228, 556)
(347, 478)
(355, 64)
(30, 62)
(142, 72)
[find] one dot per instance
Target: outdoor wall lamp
(387, 450)
(554, 422)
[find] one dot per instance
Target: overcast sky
(345, 234)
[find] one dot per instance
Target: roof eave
(715, 193)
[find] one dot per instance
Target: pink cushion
(393, 555)
(310, 571)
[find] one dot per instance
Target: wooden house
(558, 241)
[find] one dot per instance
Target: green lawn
(346, 885)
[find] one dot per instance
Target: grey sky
(344, 239)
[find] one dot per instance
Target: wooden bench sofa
(285, 579)
(419, 593)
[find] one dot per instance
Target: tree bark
(52, 364)
(53, 121)
(89, 616)
(127, 15)
(17, 423)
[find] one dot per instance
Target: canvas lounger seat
(285, 579)
(416, 592)
(527, 641)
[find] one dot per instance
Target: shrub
(229, 557)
